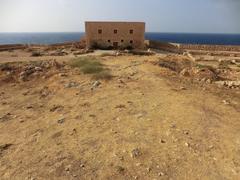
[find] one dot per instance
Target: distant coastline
(58, 37)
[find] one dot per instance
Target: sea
(187, 38)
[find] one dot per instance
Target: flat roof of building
(113, 22)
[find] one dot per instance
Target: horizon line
(42, 32)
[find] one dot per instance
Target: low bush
(172, 65)
(91, 65)
(36, 54)
(202, 66)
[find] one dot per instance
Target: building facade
(115, 35)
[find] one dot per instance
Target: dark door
(115, 45)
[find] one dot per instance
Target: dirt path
(137, 126)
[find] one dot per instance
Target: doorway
(115, 45)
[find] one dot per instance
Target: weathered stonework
(115, 34)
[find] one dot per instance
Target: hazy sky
(203, 16)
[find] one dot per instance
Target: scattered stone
(135, 153)
(186, 132)
(226, 102)
(129, 102)
(61, 121)
(71, 85)
(56, 108)
(4, 147)
(161, 174)
(162, 141)
(58, 53)
(229, 84)
(133, 73)
(38, 69)
(44, 92)
(29, 106)
(26, 93)
(95, 84)
(135, 177)
(182, 88)
(120, 106)
(209, 81)
(149, 169)
(82, 165)
(120, 169)
(185, 73)
(121, 81)
(67, 168)
(211, 147)
(63, 75)
(5, 117)
(138, 116)
(4, 103)
(139, 164)
(92, 115)
(187, 144)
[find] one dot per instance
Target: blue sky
(197, 16)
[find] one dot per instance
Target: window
(122, 40)
(100, 31)
(131, 41)
(115, 31)
(131, 31)
(109, 41)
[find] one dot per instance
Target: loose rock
(135, 153)
(95, 84)
(61, 121)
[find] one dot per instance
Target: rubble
(95, 84)
(72, 85)
(135, 153)
(229, 84)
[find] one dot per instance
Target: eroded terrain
(159, 117)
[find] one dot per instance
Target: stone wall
(209, 47)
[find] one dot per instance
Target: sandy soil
(145, 123)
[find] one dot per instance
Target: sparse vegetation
(107, 54)
(36, 54)
(201, 66)
(224, 64)
(174, 64)
(91, 65)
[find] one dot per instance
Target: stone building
(115, 35)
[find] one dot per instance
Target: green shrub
(169, 64)
(36, 54)
(202, 66)
(107, 54)
(88, 65)
(91, 65)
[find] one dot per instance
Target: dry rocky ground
(159, 117)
